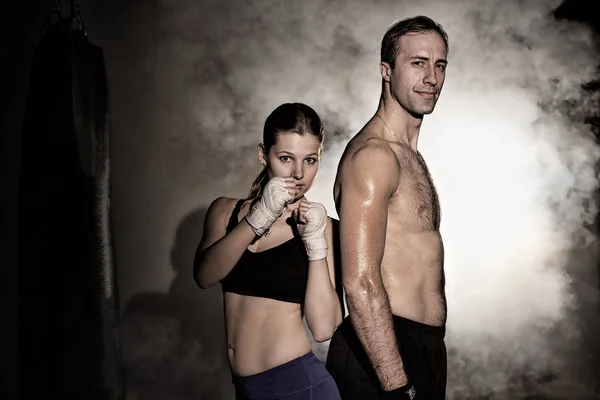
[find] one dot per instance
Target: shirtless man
(392, 344)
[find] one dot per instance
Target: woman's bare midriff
(413, 276)
(262, 333)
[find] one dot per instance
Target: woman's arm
(219, 251)
(322, 307)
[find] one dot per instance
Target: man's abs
(413, 276)
(413, 261)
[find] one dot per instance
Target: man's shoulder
(366, 151)
(368, 165)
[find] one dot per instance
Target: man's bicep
(363, 222)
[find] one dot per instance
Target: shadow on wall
(173, 344)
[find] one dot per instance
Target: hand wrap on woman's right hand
(269, 206)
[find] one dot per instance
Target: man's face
(418, 76)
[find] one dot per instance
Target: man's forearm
(371, 316)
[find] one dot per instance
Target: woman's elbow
(203, 285)
(323, 332)
(323, 335)
(200, 278)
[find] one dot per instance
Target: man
(392, 344)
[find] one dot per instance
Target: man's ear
(386, 71)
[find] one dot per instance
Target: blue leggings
(303, 378)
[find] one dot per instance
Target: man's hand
(406, 392)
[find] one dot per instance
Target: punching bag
(68, 305)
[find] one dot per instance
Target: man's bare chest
(416, 202)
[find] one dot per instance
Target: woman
(272, 254)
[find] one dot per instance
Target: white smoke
(511, 159)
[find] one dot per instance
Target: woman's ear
(262, 155)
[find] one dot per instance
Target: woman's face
(293, 155)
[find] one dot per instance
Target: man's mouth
(429, 95)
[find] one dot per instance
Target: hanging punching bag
(68, 305)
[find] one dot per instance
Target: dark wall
(21, 27)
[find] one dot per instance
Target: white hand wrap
(313, 232)
(269, 207)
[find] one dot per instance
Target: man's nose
(430, 76)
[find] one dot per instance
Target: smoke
(507, 147)
(515, 166)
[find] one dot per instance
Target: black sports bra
(278, 273)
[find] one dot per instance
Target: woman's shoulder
(223, 204)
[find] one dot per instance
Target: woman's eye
(311, 160)
(285, 158)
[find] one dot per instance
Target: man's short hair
(390, 45)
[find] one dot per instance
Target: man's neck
(399, 123)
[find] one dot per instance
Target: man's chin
(420, 112)
(425, 110)
(426, 107)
